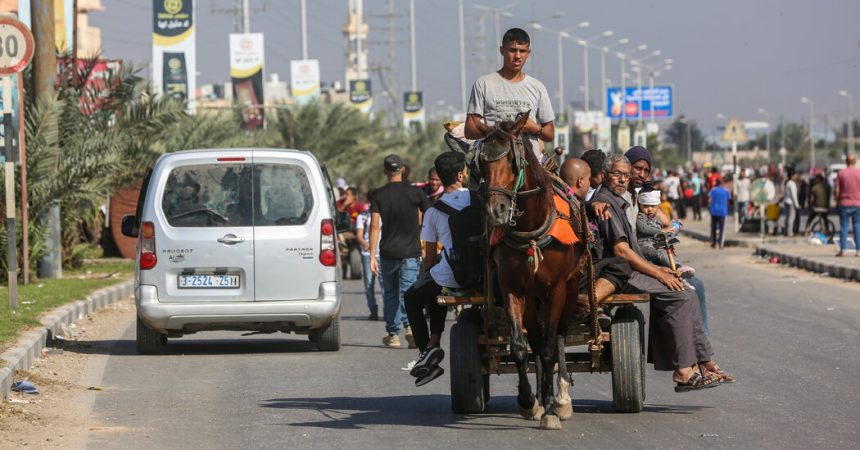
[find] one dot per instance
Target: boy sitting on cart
(457, 203)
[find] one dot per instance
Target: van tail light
(328, 256)
(148, 259)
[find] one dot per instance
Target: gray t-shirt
(497, 99)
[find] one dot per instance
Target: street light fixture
(850, 136)
(766, 115)
(811, 123)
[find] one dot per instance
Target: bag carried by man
(467, 234)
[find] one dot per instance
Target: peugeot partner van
(239, 240)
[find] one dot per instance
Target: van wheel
(149, 341)
(328, 338)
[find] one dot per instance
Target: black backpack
(467, 235)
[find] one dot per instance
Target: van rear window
(237, 195)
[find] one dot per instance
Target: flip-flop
(696, 382)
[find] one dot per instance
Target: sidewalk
(792, 251)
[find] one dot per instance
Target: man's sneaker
(410, 339)
(409, 366)
(373, 316)
(391, 340)
(427, 360)
(435, 373)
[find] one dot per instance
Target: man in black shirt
(398, 205)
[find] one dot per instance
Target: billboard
(173, 49)
(413, 109)
(246, 74)
(360, 95)
(620, 105)
(304, 80)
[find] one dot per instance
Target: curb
(29, 346)
(833, 270)
(704, 237)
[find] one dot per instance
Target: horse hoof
(533, 413)
(564, 411)
(550, 422)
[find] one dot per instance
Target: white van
(236, 240)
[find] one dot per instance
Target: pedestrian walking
(397, 205)
(362, 235)
(718, 203)
(743, 196)
(673, 192)
(790, 202)
(696, 184)
(819, 201)
(848, 195)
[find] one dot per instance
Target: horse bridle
(519, 164)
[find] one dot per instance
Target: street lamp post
(850, 135)
(462, 61)
(811, 123)
(603, 52)
(766, 115)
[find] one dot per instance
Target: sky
(729, 56)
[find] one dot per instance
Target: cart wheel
(468, 388)
(628, 360)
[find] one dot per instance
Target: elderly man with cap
(640, 173)
(677, 340)
(398, 205)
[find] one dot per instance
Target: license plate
(198, 281)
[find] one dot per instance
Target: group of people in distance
(624, 217)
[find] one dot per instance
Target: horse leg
(549, 355)
(563, 403)
(527, 405)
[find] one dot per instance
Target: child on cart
(655, 240)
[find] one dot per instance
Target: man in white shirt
(743, 195)
(451, 168)
(362, 235)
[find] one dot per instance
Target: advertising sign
(413, 109)
(360, 95)
(173, 49)
(304, 80)
(246, 73)
(620, 105)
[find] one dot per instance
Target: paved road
(789, 337)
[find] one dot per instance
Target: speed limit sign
(16, 46)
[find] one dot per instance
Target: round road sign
(762, 191)
(16, 46)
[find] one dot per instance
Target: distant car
(236, 240)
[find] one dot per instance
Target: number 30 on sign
(16, 46)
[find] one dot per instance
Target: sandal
(718, 373)
(696, 382)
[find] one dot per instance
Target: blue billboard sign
(619, 105)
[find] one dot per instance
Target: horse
(538, 276)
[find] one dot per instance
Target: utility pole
(412, 44)
(45, 74)
(463, 100)
(303, 11)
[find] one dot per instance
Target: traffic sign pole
(11, 238)
(16, 52)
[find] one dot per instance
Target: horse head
(502, 164)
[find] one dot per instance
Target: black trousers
(423, 294)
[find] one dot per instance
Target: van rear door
(287, 227)
(205, 234)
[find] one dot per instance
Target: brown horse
(536, 273)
